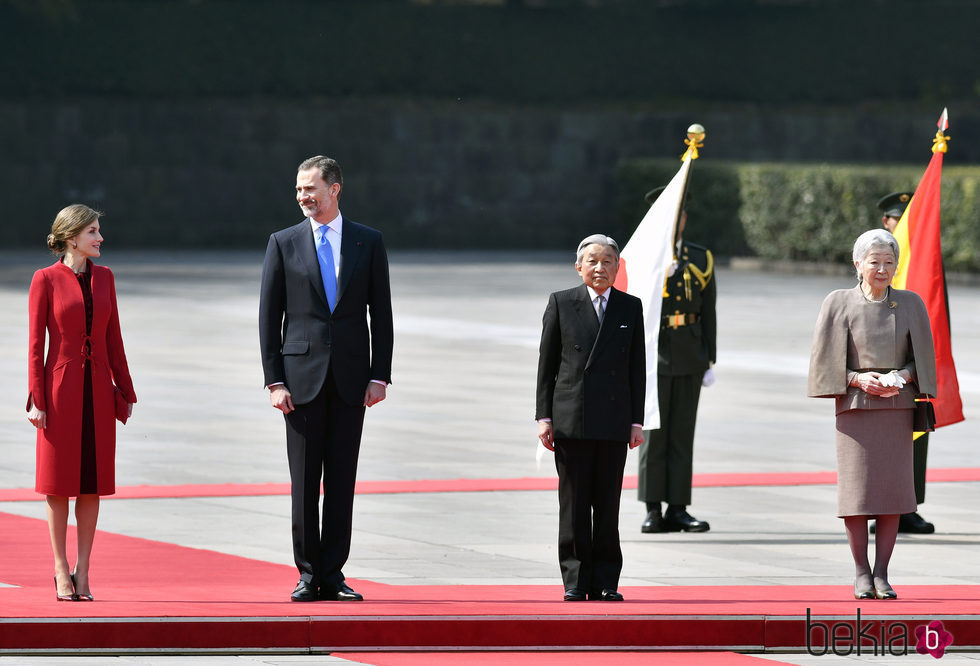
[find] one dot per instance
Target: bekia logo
(932, 639)
(859, 637)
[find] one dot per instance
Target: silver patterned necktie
(600, 309)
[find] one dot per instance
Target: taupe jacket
(853, 334)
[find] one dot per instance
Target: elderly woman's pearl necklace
(875, 300)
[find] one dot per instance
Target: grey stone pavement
(461, 406)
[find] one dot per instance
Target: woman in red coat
(71, 399)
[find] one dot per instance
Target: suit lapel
(585, 312)
(351, 250)
(305, 248)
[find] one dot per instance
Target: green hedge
(801, 211)
(712, 210)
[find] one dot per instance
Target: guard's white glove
(709, 377)
(672, 268)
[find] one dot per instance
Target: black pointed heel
(80, 597)
(64, 597)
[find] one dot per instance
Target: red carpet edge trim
(478, 485)
(195, 600)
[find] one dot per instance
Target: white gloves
(709, 377)
(892, 379)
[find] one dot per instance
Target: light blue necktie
(324, 254)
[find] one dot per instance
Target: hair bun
(52, 243)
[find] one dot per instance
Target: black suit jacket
(592, 379)
(299, 336)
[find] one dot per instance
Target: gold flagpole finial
(694, 140)
(939, 143)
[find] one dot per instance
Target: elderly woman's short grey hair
(869, 241)
(596, 239)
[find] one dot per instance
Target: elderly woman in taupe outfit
(872, 352)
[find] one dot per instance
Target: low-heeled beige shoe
(863, 592)
(884, 591)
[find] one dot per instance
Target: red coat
(56, 384)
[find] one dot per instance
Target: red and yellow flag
(920, 269)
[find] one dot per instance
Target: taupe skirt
(874, 462)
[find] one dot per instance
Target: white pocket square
(623, 326)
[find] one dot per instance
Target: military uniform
(893, 206)
(687, 348)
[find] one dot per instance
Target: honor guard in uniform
(892, 207)
(686, 353)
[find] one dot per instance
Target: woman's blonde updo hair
(70, 222)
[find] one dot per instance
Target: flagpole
(644, 263)
(694, 140)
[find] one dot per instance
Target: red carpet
(476, 485)
(159, 596)
(556, 658)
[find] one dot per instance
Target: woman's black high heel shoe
(65, 597)
(80, 597)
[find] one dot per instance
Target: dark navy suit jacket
(299, 336)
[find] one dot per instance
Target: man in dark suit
(590, 395)
(320, 280)
(686, 352)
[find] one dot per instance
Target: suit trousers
(323, 438)
(590, 482)
(666, 462)
(920, 451)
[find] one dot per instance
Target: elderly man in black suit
(323, 365)
(590, 395)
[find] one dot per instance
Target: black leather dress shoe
(653, 523)
(681, 521)
(304, 592)
(340, 592)
(574, 595)
(913, 523)
(606, 595)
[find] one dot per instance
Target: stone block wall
(216, 173)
